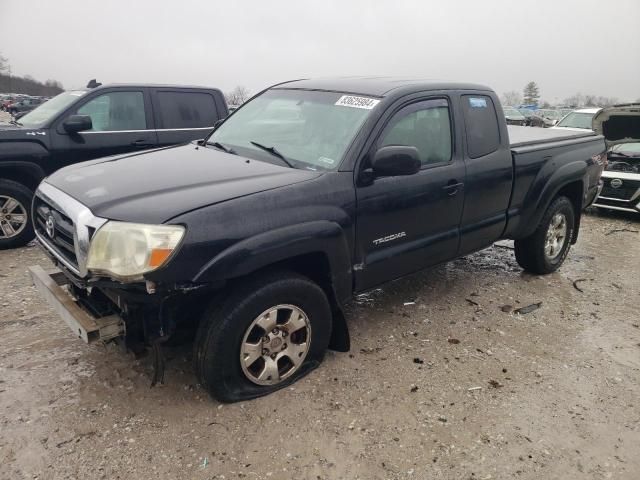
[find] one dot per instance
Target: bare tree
(4, 64)
(575, 101)
(512, 98)
(579, 100)
(237, 96)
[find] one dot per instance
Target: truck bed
(528, 136)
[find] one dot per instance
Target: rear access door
(489, 170)
(185, 114)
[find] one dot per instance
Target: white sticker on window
(357, 102)
(327, 161)
(475, 102)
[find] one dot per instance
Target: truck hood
(16, 132)
(155, 186)
(618, 124)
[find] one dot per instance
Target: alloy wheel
(275, 345)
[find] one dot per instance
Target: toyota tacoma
(254, 238)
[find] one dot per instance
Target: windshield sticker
(357, 102)
(475, 102)
(327, 161)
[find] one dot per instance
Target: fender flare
(268, 248)
(30, 169)
(534, 210)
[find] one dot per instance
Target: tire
(534, 254)
(17, 198)
(230, 325)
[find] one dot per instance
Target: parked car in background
(527, 113)
(545, 118)
(621, 178)
(514, 117)
(7, 101)
(24, 105)
(85, 124)
(578, 120)
(310, 193)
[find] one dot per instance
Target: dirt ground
(453, 386)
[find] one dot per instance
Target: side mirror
(77, 123)
(396, 160)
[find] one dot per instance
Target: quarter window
(187, 109)
(481, 125)
(424, 125)
(116, 111)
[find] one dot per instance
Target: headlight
(126, 251)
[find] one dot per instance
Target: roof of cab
(146, 85)
(376, 86)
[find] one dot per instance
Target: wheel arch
(26, 173)
(568, 180)
(317, 250)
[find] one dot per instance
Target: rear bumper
(83, 324)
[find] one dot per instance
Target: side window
(187, 109)
(424, 125)
(481, 125)
(116, 111)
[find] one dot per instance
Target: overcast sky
(566, 46)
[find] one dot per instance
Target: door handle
(141, 143)
(452, 187)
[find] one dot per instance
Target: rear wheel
(16, 229)
(547, 247)
(263, 337)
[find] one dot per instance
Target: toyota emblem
(50, 226)
(616, 183)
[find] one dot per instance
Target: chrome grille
(71, 225)
(62, 235)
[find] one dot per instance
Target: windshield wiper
(273, 151)
(15, 122)
(222, 147)
(620, 154)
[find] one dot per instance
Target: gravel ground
(444, 381)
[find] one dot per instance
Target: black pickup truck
(89, 123)
(309, 193)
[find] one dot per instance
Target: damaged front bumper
(84, 324)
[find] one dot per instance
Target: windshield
(42, 114)
(631, 149)
(625, 158)
(512, 112)
(311, 129)
(577, 120)
(551, 114)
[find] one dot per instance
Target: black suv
(90, 123)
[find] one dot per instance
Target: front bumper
(621, 192)
(85, 325)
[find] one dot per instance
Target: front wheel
(263, 337)
(547, 247)
(15, 228)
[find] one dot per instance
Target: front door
(121, 123)
(406, 223)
